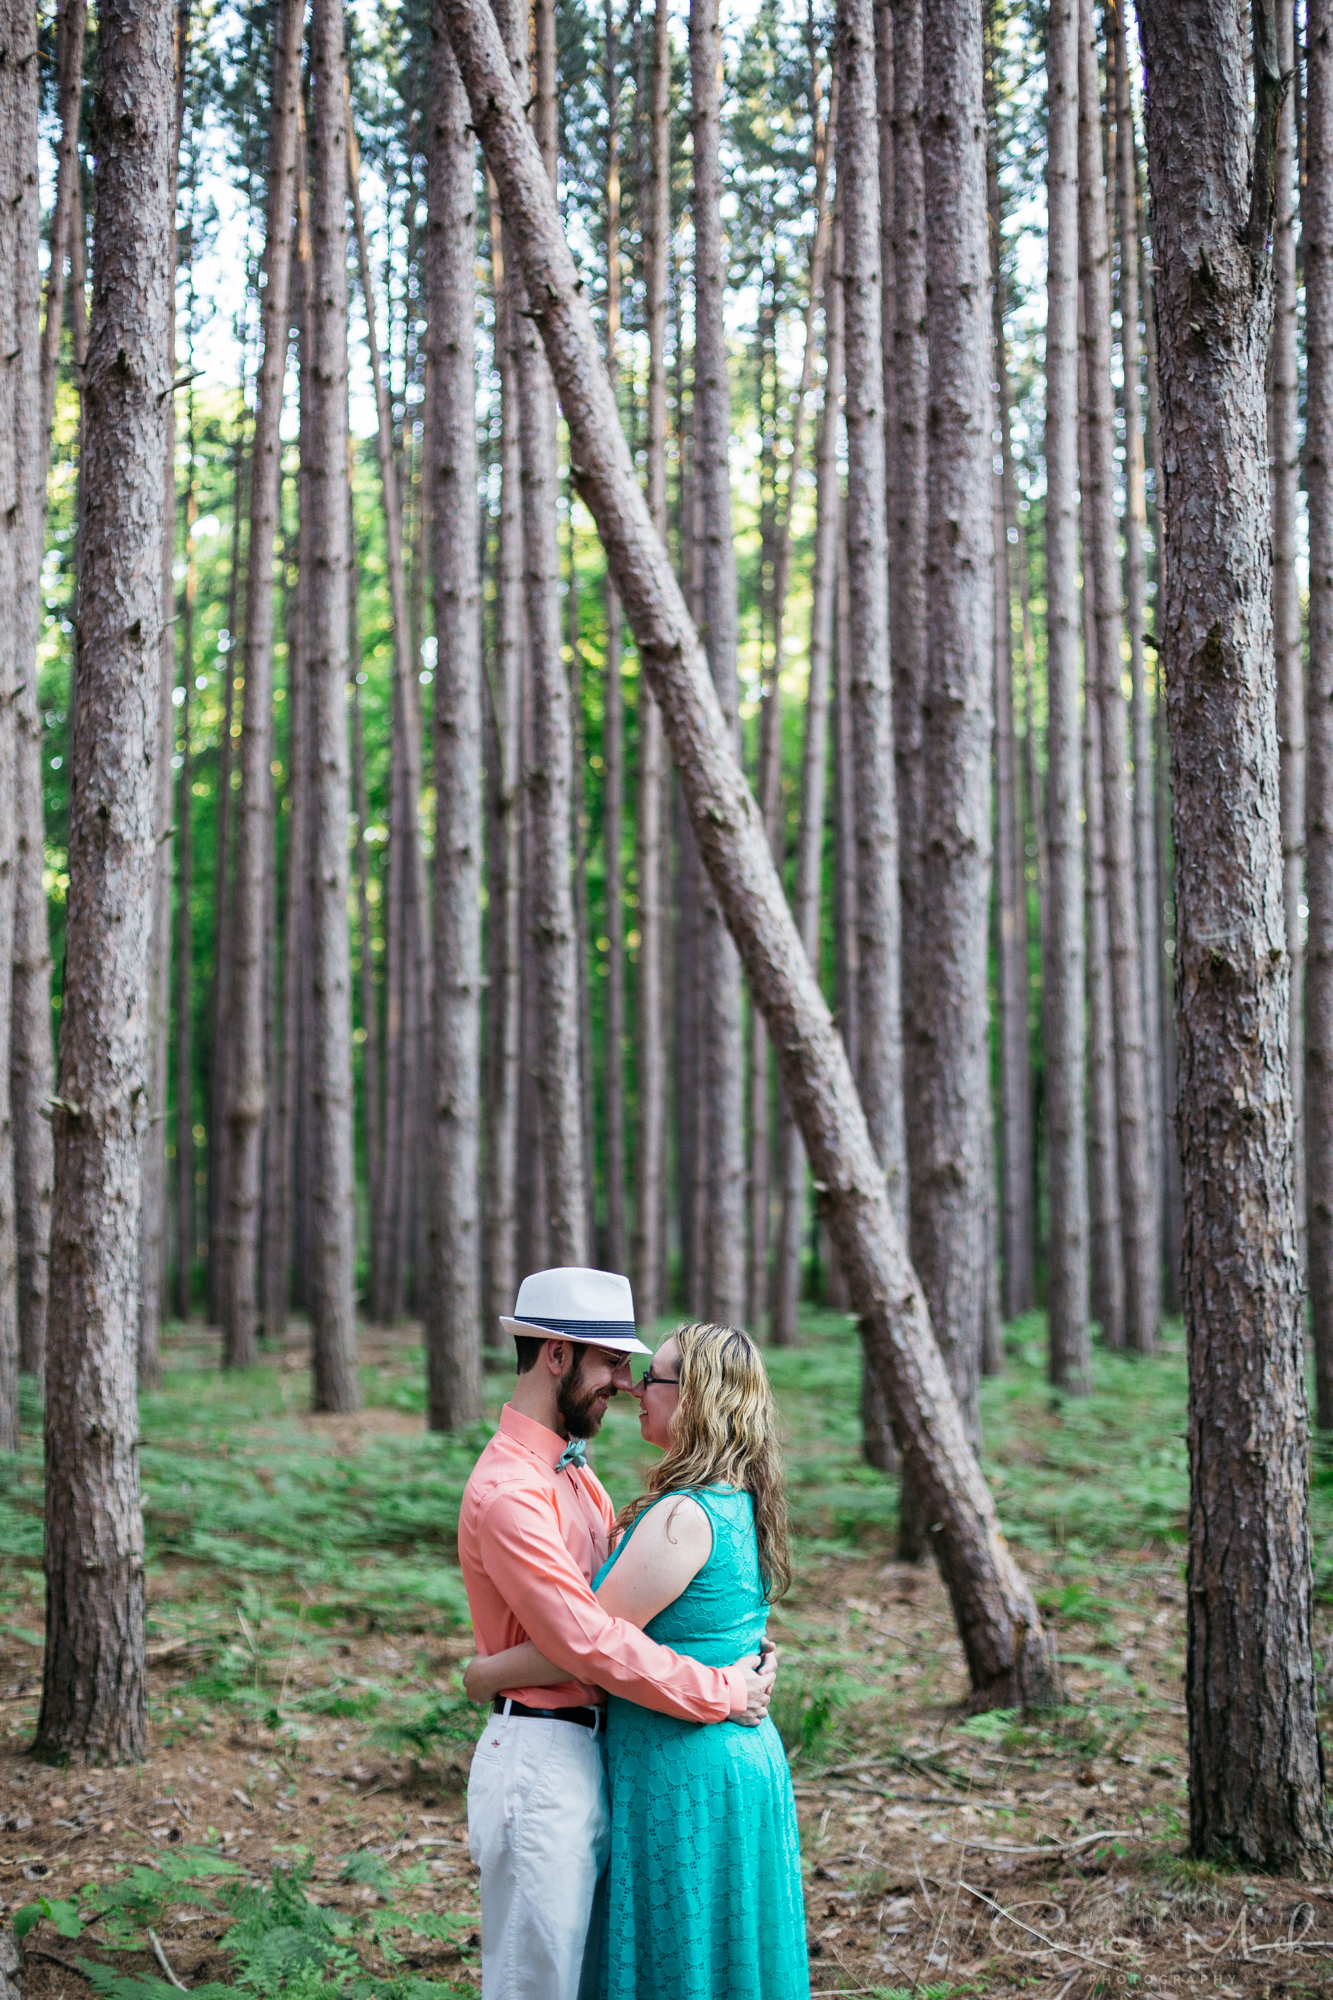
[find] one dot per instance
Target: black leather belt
(586, 1718)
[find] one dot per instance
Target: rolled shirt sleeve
(530, 1566)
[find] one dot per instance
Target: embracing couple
(629, 1803)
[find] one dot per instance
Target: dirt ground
(942, 1856)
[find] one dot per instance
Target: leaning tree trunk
(1256, 1792)
(94, 1691)
(453, 1301)
(1317, 248)
(723, 1045)
(1062, 926)
(1007, 1651)
(653, 844)
(239, 1291)
(333, 1244)
(1138, 1204)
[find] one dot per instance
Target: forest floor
(306, 1625)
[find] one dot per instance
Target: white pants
(539, 1830)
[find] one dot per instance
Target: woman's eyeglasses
(647, 1381)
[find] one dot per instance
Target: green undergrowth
(277, 1941)
(267, 1537)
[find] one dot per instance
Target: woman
(702, 1895)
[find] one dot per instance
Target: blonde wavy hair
(725, 1432)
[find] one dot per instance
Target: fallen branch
(165, 1963)
(1049, 1847)
(1064, 1950)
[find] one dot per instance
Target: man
(533, 1531)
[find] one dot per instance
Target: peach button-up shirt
(530, 1541)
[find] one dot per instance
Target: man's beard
(575, 1404)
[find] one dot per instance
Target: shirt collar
(534, 1437)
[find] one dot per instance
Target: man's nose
(622, 1378)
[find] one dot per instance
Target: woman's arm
(521, 1666)
(669, 1546)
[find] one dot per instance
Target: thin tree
(723, 1046)
(1138, 1202)
(1062, 928)
(185, 1203)
(554, 1009)
(1284, 456)
(239, 1294)
(94, 1686)
(333, 1247)
(1006, 1647)
(1104, 1233)
(613, 730)
(453, 1300)
(1256, 1779)
(949, 1031)
(653, 846)
(1146, 776)
(504, 826)
(1317, 251)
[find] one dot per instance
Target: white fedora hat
(570, 1304)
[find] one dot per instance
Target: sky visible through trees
(714, 682)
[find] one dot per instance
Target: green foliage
(65, 1917)
(431, 1727)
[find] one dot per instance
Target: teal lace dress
(701, 1899)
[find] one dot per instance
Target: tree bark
(27, 1080)
(1317, 250)
(1255, 1765)
(723, 1044)
(186, 1227)
(219, 993)
(1135, 581)
(255, 830)
(949, 1059)
(504, 780)
(1108, 1267)
(1138, 1202)
(1006, 1647)
(1062, 928)
(94, 1687)
(549, 775)
(1284, 454)
(453, 1301)
(333, 1247)
(814, 760)
(649, 1248)
(613, 732)
(1017, 1166)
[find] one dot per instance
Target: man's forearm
(612, 1653)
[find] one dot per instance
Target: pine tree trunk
(255, 831)
(723, 1043)
(582, 930)
(407, 893)
(653, 846)
(1284, 454)
(613, 736)
(1138, 1202)
(152, 1232)
(1108, 1268)
(94, 1687)
(1135, 577)
(186, 1227)
(908, 613)
(505, 818)
(371, 1074)
(879, 975)
(549, 777)
(1017, 1166)
(814, 760)
(950, 1054)
(30, 1076)
(1256, 1790)
(333, 1247)
(1062, 927)
(453, 1296)
(1006, 1647)
(1317, 251)
(219, 996)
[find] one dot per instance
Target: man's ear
(557, 1356)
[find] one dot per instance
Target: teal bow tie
(574, 1453)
